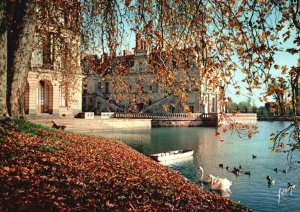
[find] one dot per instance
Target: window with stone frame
(107, 89)
(48, 50)
(140, 66)
(213, 108)
(99, 86)
(144, 45)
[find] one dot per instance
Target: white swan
(216, 183)
(283, 191)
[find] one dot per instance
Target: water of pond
(252, 191)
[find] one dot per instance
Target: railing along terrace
(209, 116)
(167, 116)
(242, 114)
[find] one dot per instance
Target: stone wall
(182, 123)
(94, 125)
(208, 121)
(276, 118)
(238, 117)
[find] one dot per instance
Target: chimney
(104, 58)
(126, 52)
(138, 42)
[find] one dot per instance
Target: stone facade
(54, 86)
(143, 92)
(43, 95)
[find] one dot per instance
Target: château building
(128, 83)
(54, 84)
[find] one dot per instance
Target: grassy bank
(43, 169)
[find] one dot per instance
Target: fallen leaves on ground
(50, 170)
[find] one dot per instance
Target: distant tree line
(241, 107)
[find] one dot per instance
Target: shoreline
(60, 170)
(97, 123)
(275, 118)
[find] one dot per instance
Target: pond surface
(252, 191)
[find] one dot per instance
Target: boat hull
(172, 155)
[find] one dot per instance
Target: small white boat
(172, 155)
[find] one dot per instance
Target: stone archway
(45, 97)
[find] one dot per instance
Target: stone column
(56, 95)
(33, 95)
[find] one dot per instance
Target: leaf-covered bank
(43, 169)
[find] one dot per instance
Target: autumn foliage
(42, 169)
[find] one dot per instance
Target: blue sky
(281, 58)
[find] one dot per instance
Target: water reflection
(209, 152)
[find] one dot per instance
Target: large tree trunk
(3, 60)
(21, 29)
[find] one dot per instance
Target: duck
(236, 171)
(276, 170)
(227, 168)
(240, 167)
(290, 186)
(270, 181)
(284, 171)
(221, 165)
(254, 156)
(247, 173)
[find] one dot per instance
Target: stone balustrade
(276, 118)
(209, 116)
(237, 117)
(160, 116)
(106, 115)
(187, 119)
(85, 115)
